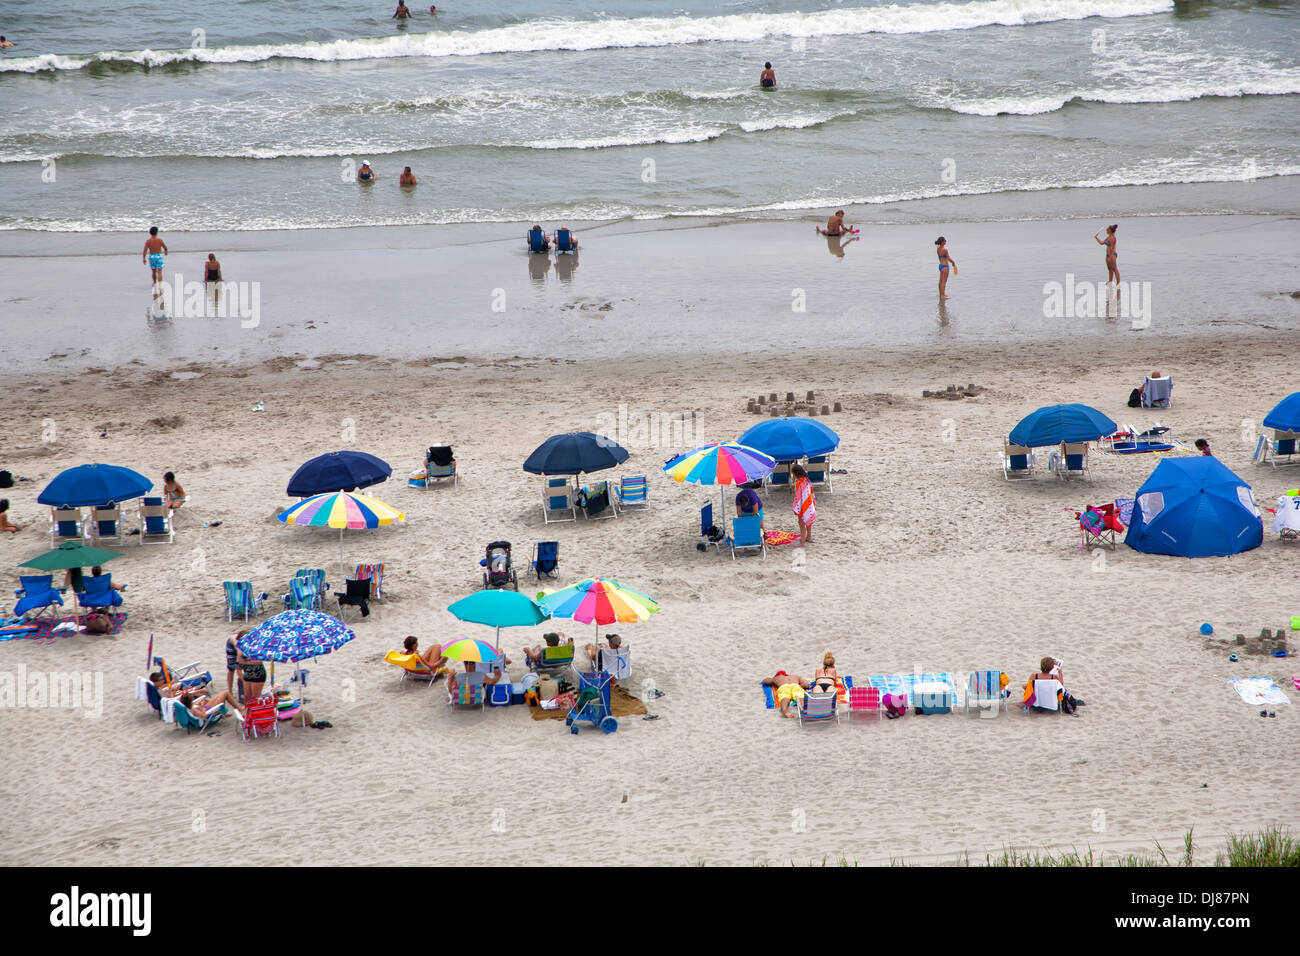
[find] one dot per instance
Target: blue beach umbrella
(293, 636)
(789, 439)
(1194, 508)
(86, 486)
(575, 453)
(338, 471)
(499, 609)
(1285, 415)
(1054, 424)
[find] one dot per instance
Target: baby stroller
(499, 571)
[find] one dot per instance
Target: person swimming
(767, 79)
(365, 174)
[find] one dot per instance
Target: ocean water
(251, 115)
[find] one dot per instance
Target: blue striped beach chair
(374, 573)
(240, 599)
(818, 707)
(634, 492)
(985, 686)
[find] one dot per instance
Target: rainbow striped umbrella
(471, 649)
(341, 509)
(722, 463)
(598, 601)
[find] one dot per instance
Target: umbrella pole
(342, 571)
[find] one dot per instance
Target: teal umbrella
(499, 609)
(71, 554)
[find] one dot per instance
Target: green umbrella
(71, 554)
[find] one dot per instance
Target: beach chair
(190, 677)
(412, 668)
(191, 723)
(1072, 461)
(818, 707)
(1286, 519)
(240, 599)
(38, 594)
(65, 525)
(634, 493)
(1282, 450)
(1158, 392)
(1017, 461)
(546, 558)
(554, 659)
(537, 240)
(155, 522)
(439, 465)
(374, 573)
(983, 686)
(301, 595)
(617, 662)
(260, 718)
(99, 593)
(597, 501)
(564, 241)
(356, 594)
(711, 534)
(780, 476)
(864, 700)
(317, 584)
(819, 471)
(155, 699)
(1047, 696)
(106, 524)
(468, 691)
(747, 535)
(557, 498)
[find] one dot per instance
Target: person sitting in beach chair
(536, 657)
(565, 241)
(440, 463)
(1157, 391)
(612, 643)
(538, 241)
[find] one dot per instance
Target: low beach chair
(864, 700)
(439, 465)
(985, 686)
(37, 593)
(780, 476)
(260, 718)
(537, 240)
(1046, 696)
(155, 522)
(617, 662)
(1280, 451)
(374, 573)
(815, 707)
(190, 677)
(1017, 461)
(151, 694)
(411, 667)
(1072, 461)
(301, 595)
(356, 594)
(240, 599)
(554, 658)
(99, 593)
(1158, 392)
(545, 559)
(709, 533)
(564, 241)
(468, 691)
(747, 535)
(105, 524)
(191, 723)
(634, 492)
(598, 501)
(65, 525)
(819, 471)
(557, 499)
(317, 583)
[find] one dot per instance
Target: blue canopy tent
(789, 439)
(1194, 508)
(1054, 424)
(88, 486)
(1285, 416)
(338, 471)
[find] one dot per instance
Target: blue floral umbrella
(295, 636)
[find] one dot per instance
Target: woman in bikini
(945, 261)
(254, 676)
(173, 492)
(432, 658)
(826, 677)
(1111, 242)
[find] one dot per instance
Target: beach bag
(1135, 398)
(6, 479)
(1068, 705)
(895, 704)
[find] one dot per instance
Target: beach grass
(1272, 847)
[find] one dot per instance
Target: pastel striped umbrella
(722, 463)
(599, 601)
(471, 649)
(341, 509)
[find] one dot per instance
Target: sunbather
(612, 642)
(5, 523)
(174, 690)
(825, 677)
(202, 707)
(432, 658)
(534, 655)
(790, 688)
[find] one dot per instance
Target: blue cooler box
(932, 699)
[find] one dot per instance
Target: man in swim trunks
(789, 688)
(767, 79)
(154, 250)
(407, 178)
(403, 12)
(835, 225)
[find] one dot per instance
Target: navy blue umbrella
(338, 471)
(789, 439)
(1285, 416)
(574, 453)
(1054, 424)
(87, 486)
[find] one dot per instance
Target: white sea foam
(564, 34)
(1284, 83)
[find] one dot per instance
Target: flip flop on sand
(650, 717)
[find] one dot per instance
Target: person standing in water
(152, 256)
(767, 79)
(1111, 242)
(407, 178)
(365, 174)
(945, 261)
(403, 12)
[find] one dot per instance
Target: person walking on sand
(1111, 242)
(945, 261)
(152, 256)
(767, 79)
(805, 505)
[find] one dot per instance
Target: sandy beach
(924, 558)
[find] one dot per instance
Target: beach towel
(140, 692)
(1258, 691)
(47, 628)
(777, 538)
(906, 683)
(767, 696)
(804, 506)
(168, 705)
